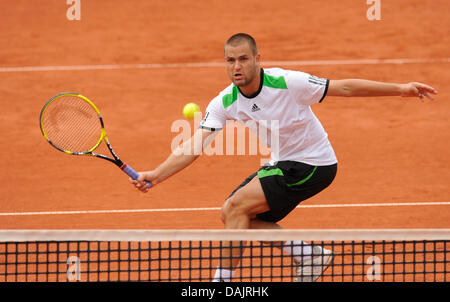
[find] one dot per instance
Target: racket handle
(133, 174)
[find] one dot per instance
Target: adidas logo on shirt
(255, 108)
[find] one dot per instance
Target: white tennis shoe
(311, 268)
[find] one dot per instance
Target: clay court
(141, 61)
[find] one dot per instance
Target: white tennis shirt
(280, 114)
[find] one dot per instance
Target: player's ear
(258, 58)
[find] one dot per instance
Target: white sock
(298, 249)
(223, 275)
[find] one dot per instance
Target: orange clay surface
(390, 149)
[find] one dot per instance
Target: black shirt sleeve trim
(210, 129)
(326, 90)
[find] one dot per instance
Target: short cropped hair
(238, 38)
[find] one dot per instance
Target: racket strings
(72, 124)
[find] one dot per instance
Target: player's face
(242, 65)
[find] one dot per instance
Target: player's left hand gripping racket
(72, 124)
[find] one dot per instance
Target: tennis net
(421, 255)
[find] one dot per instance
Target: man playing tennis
(304, 163)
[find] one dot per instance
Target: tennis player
(304, 163)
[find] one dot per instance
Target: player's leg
(240, 212)
(310, 260)
(260, 202)
(237, 212)
(244, 205)
(299, 250)
(286, 185)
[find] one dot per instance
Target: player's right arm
(180, 158)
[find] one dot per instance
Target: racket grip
(133, 174)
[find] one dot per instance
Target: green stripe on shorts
(265, 173)
(277, 171)
(303, 180)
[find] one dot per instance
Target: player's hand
(140, 183)
(420, 90)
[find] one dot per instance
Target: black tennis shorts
(287, 183)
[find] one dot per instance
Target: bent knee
(232, 206)
(228, 208)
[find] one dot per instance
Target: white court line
(221, 64)
(349, 205)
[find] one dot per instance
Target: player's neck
(254, 86)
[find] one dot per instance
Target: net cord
(224, 235)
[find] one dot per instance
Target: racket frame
(103, 137)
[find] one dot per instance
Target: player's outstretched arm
(366, 88)
(180, 158)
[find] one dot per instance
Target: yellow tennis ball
(190, 109)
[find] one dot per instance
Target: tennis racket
(72, 124)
